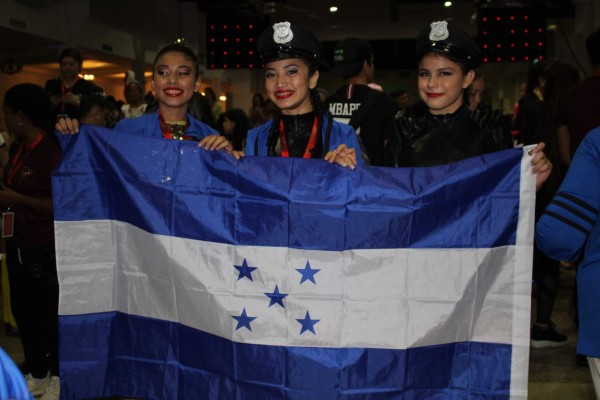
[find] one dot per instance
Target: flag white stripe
(522, 282)
(384, 298)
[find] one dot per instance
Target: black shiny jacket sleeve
(431, 140)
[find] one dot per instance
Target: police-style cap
(447, 38)
(349, 56)
(284, 40)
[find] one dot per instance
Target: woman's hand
(67, 126)
(237, 154)
(216, 142)
(342, 155)
(542, 167)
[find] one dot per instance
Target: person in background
(449, 131)
(370, 112)
(94, 110)
(66, 91)
(522, 90)
(376, 86)
(257, 115)
(581, 112)
(115, 114)
(175, 78)
(403, 100)
(303, 128)
(577, 115)
(26, 198)
(214, 103)
(134, 95)
(235, 127)
(531, 105)
(559, 79)
(270, 109)
(569, 230)
(219, 124)
(200, 110)
(475, 93)
(10, 326)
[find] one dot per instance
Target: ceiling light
(448, 4)
(333, 9)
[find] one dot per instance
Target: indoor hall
(118, 36)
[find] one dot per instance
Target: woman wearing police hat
(303, 128)
(450, 131)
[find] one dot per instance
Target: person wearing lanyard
(304, 128)
(66, 91)
(28, 226)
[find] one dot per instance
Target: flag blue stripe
(111, 354)
(173, 188)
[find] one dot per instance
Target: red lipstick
(172, 91)
(283, 94)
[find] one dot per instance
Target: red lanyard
(14, 167)
(64, 89)
(312, 141)
(167, 130)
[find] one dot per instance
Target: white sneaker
(36, 386)
(53, 390)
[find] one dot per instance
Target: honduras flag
(186, 274)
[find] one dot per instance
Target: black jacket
(430, 140)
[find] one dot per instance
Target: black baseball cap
(445, 37)
(349, 56)
(284, 40)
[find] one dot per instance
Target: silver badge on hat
(439, 31)
(282, 33)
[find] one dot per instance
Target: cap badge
(282, 33)
(439, 31)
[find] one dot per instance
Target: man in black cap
(369, 111)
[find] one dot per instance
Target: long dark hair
(200, 109)
(242, 124)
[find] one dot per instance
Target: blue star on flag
(308, 273)
(245, 270)
(276, 297)
(307, 323)
(243, 321)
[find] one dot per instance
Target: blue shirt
(569, 229)
(340, 134)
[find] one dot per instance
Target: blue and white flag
(186, 274)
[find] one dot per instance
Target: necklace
(173, 130)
